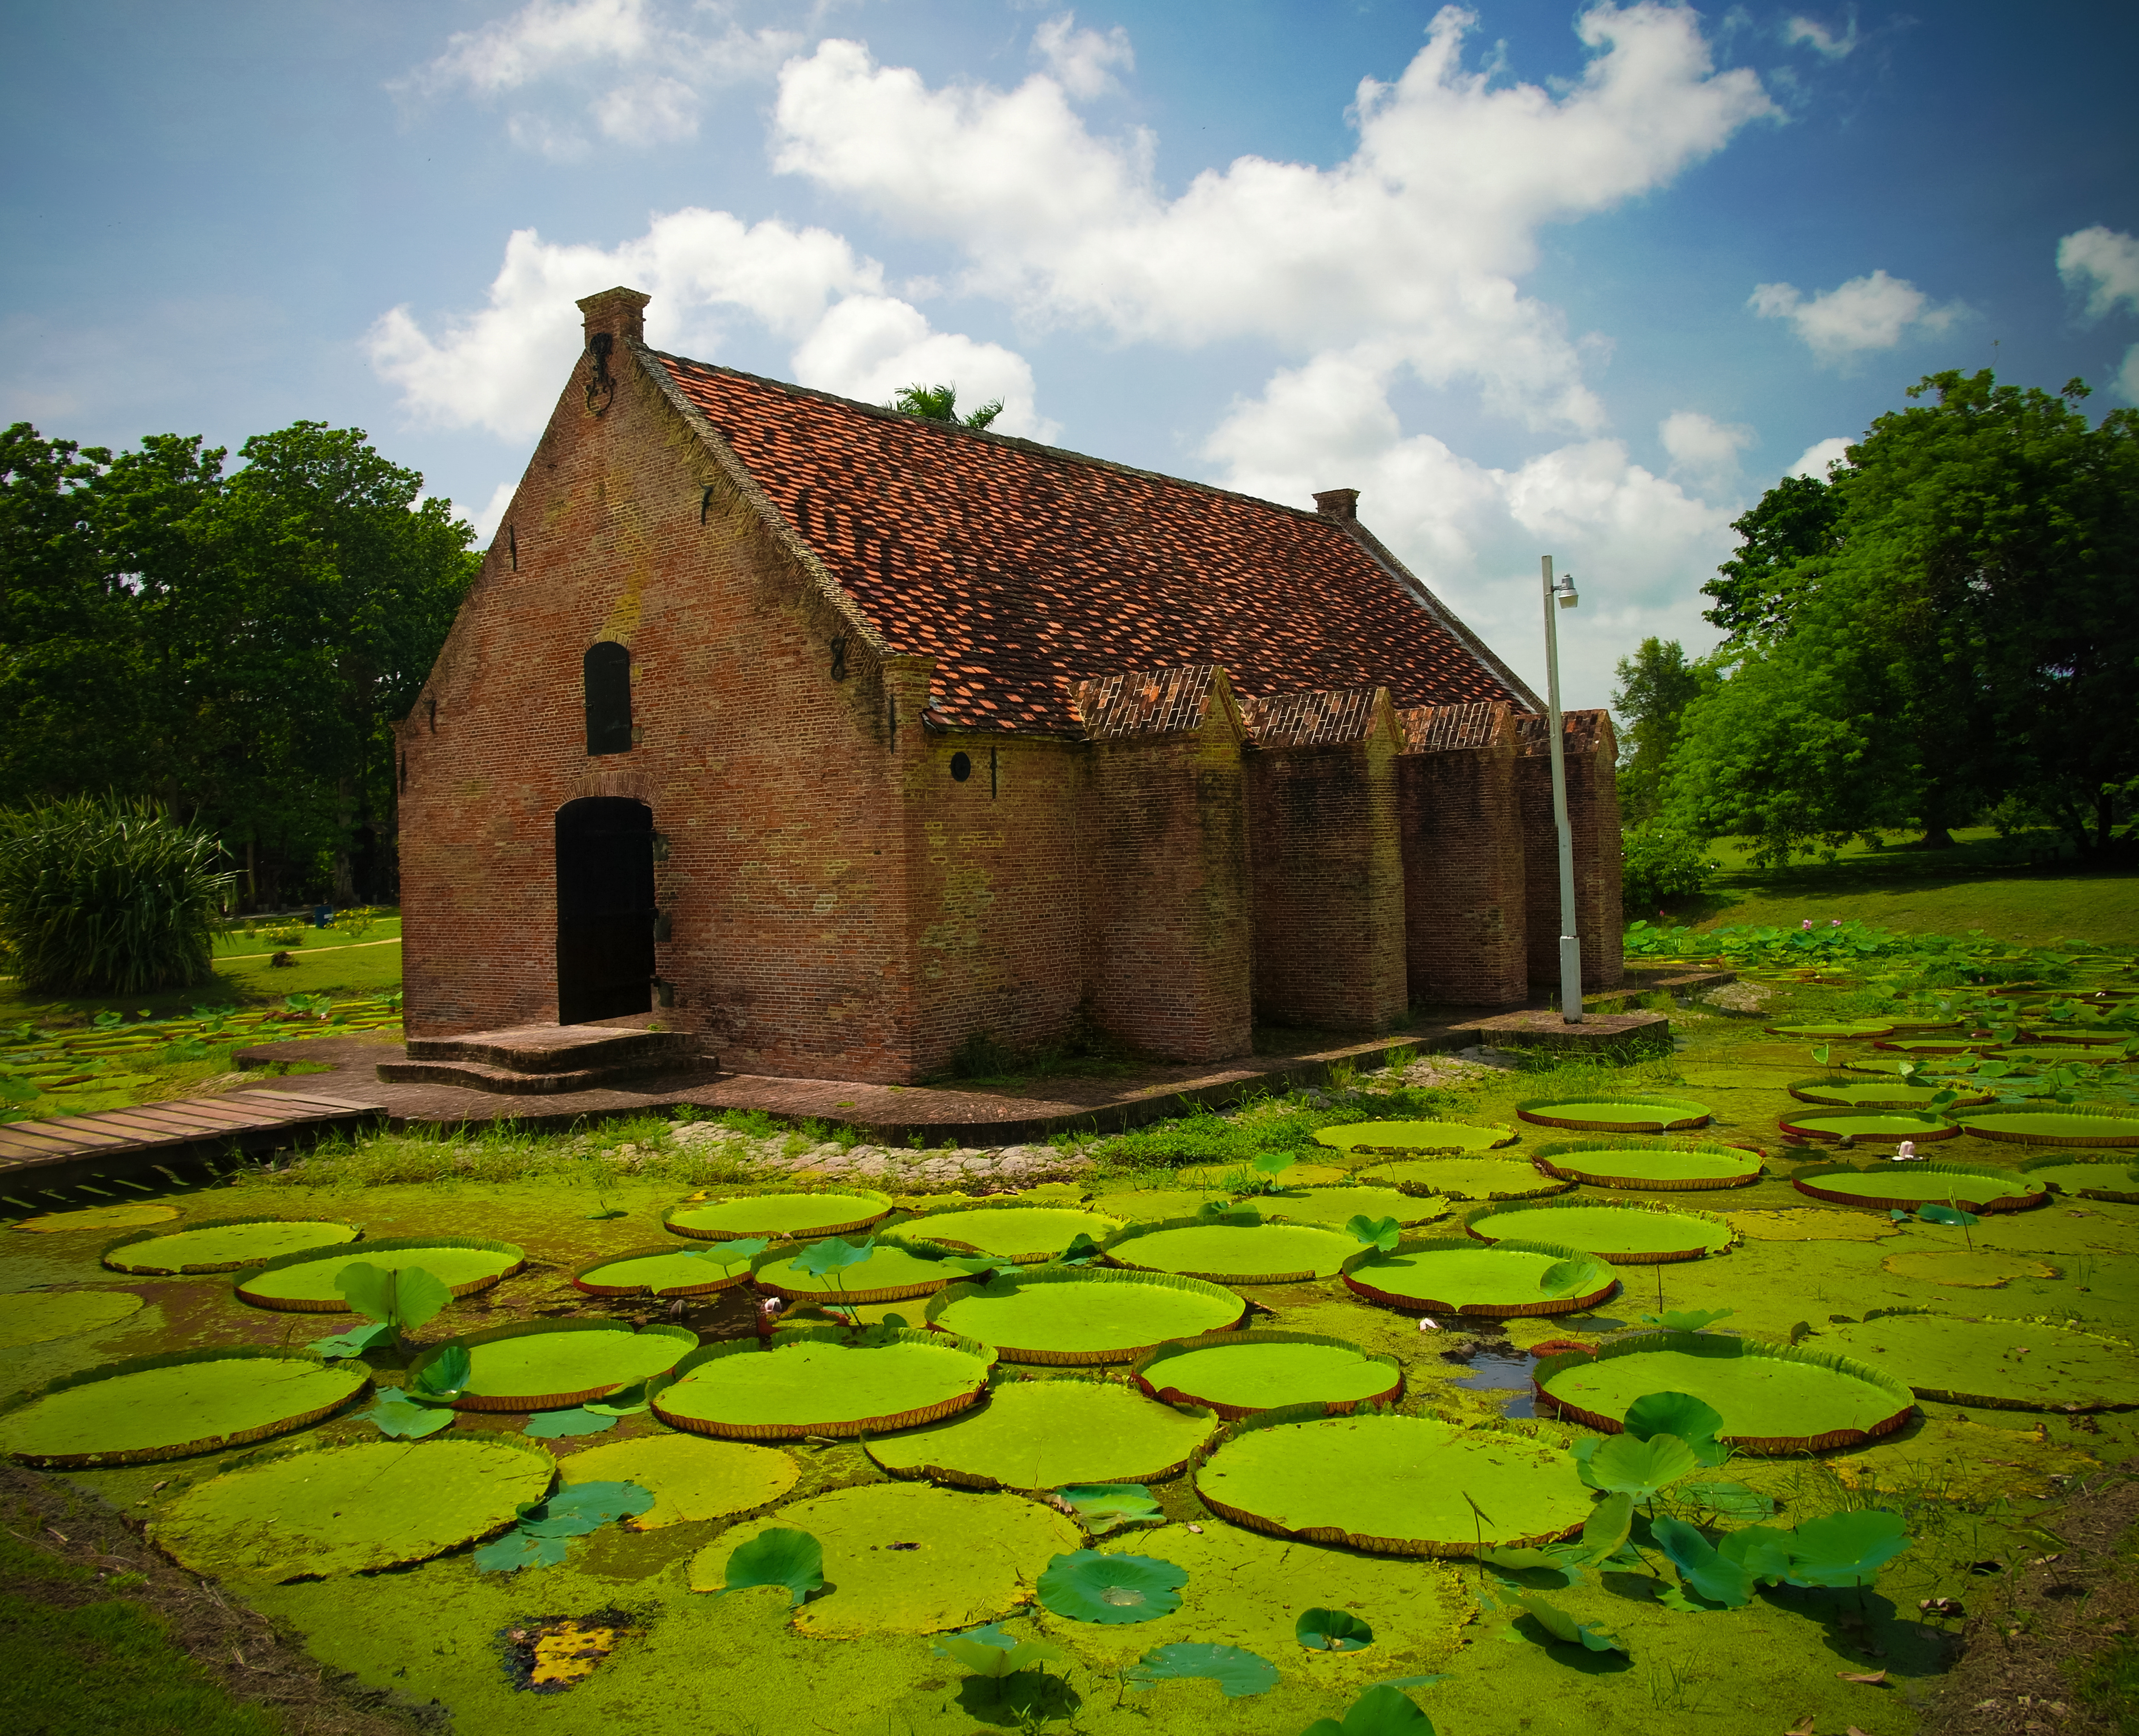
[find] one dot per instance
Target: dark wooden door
(605, 909)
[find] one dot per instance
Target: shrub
(106, 897)
(1661, 862)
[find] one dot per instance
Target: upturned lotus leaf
(1709, 1574)
(1605, 1533)
(1680, 1414)
(445, 1374)
(402, 1297)
(1564, 1628)
(1381, 1711)
(820, 1259)
(1104, 1507)
(1382, 1233)
(1085, 1585)
(1237, 1672)
(1320, 1629)
(398, 1414)
(1624, 1465)
(989, 1651)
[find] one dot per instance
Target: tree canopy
(1656, 686)
(235, 644)
(939, 403)
(1938, 629)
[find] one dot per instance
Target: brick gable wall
(1466, 900)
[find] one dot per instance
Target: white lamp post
(1562, 594)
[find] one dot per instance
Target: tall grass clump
(106, 896)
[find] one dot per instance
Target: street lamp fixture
(1570, 941)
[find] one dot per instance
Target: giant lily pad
(37, 1316)
(1084, 1316)
(820, 1381)
(1395, 1486)
(663, 1271)
(353, 1508)
(778, 1215)
(2001, 1365)
(1841, 1094)
(168, 1406)
(554, 1365)
(897, 1268)
(124, 1215)
(1044, 1434)
(1773, 1398)
(1626, 1232)
(1406, 1138)
(1026, 1235)
(1238, 1374)
(908, 1557)
(1496, 1280)
(2089, 1177)
(1940, 1045)
(303, 1282)
(1616, 1114)
(1467, 1178)
(1340, 1205)
(689, 1477)
(1240, 1250)
(1904, 1186)
(225, 1244)
(1883, 1127)
(2020, 1125)
(1839, 1033)
(1652, 1167)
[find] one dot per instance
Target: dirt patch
(95, 1558)
(2040, 1632)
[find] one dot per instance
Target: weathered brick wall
(1466, 899)
(1164, 846)
(778, 786)
(997, 923)
(1593, 808)
(1328, 879)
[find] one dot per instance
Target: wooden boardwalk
(70, 1150)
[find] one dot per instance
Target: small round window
(961, 766)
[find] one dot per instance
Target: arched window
(607, 667)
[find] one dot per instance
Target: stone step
(475, 1076)
(555, 1051)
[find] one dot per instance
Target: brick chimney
(1338, 503)
(620, 312)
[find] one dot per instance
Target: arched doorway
(605, 908)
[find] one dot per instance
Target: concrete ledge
(1532, 1029)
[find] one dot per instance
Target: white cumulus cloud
(1815, 458)
(501, 367)
(1866, 313)
(1701, 447)
(1415, 240)
(552, 52)
(2104, 264)
(1083, 61)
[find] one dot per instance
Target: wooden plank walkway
(70, 1149)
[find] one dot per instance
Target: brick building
(844, 738)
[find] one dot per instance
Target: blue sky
(1574, 280)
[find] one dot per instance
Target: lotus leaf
(402, 1297)
(1845, 1548)
(1413, 1136)
(1243, 1253)
(973, 1558)
(792, 1560)
(1712, 1575)
(1611, 1522)
(1105, 1507)
(223, 1246)
(989, 1651)
(352, 1509)
(444, 1374)
(1022, 1235)
(1384, 1710)
(1085, 1585)
(168, 1406)
(1459, 1276)
(1320, 1629)
(1771, 1398)
(1564, 1628)
(1238, 1374)
(1085, 1316)
(37, 1316)
(580, 1507)
(1399, 1485)
(397, 1415)
(1676, 1413)
(1040, 1434)
(778, 1215)
(1725, 1500)
(567, 1425)
(1626, 1465)
(2020, 1365)
(1237, 1673)
(353, 1342)
(1947, 1216)
(815, 1382)
(690, 1478)
(1688, 1320)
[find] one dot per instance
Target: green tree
(939, 403)
(1656, 685)
(1938, 629)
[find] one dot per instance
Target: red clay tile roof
(1310, 720)
(1144, 702)
(1024, 570)
(1438, 729)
